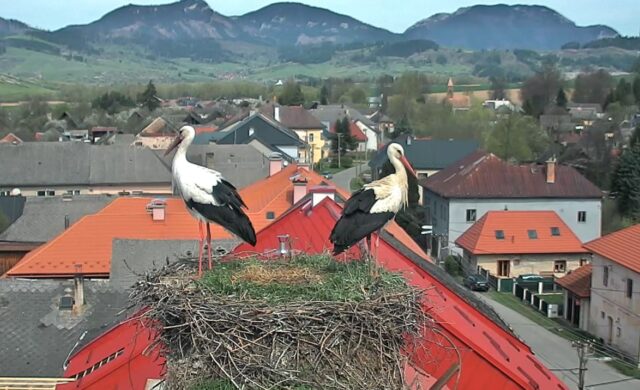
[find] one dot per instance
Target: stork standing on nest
(372, 207)
(208, 196)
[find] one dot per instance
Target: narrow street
(343, 178)
(558, 354)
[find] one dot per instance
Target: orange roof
(205, 129)
(481, 238)
(10, 139)
(88, 242)
(621, 247)
(578, 281)
(275, 194)
(354, 130)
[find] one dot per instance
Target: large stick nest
(249, 339)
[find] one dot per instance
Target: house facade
(308, 128)
(614, 313)
(577, 296)
(456, 197)
(512, 243)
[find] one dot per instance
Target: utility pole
(584, 352)
(339, 151)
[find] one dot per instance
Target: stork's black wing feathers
(357, 222)
(228, 213)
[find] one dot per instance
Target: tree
(540, 90)
(518, 137)
(636, 89)
(411, 85)
(291, 94)
(402, 127)
(635, 137)
(112, 102)
(498, 88)
(626, 183)
(324, 95)
(561, 99)
(149, 98)
(342, 137)
(357, 95)
(592, 87)
(624, 93)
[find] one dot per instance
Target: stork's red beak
(407, 165)
(174, 144)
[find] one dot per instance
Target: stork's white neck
(181, 153)
(399, 167)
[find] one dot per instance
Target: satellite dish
(16, 192)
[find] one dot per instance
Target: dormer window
(533, 234)
(271, 215)
(555, 231)
(499, 234)
(251, 131)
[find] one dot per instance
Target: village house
(382, 124)
(614, 314)
(512, 243)
(11, 139)
(577, 296)
(330, 114)
(308, 128)
(458, 102)
(457, 196)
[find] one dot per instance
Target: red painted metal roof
(482, 175)
(124, 357)
(490, 356)
(480, 239)
(621, 247)
(578, 281)
(354, 130)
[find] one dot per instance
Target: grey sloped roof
(43, 218)
(77, 163)
(12, 207)
(121, 164)
(42, 163)
(37, 337)
(332, 112)
(132, 258)
(241, 165)
(429, 154)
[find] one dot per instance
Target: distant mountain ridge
(191, 28)
(505, 27)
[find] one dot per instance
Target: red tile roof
(88, 242)
(578, 281)
(354, 130)
(10, 139)
(621, 247)
(482, 175)
(480, 239)
(205, 129)
(491, 357)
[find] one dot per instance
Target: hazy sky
(394, 15)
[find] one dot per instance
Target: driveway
(343, 178)
(558, 354)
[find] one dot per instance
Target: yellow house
(308, 128)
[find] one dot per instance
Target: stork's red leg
(209, 244)
(201, 248)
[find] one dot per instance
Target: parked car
(327, 175)
(476, 283)
(530, 278)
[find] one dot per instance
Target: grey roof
(77, 163)
(260, 126)
(132, 258)
(43, 218)
(37, 337)
(329, 114)
(241, 165)
(12, 207)
(429, 154)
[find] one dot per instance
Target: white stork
(372, 207)
(208, 196)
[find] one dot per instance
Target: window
(42, 193)
(533, 234)
(51, 193)
(602, 315)
(555, 231)
(5, 193)
(504, 267)
(311, 137)
(251, 131)
(629, 287)
(582, 216)
(583, 262)
(471, 215)
(605, 276)
(499, 234)
(560, 266)
(271, 215)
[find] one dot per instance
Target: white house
(457, 196)
(615, 297)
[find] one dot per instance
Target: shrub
(452, 266)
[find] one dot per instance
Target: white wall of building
(614, 316)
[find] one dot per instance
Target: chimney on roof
(78, 288)
(275, 164)
(551, 170)
(66, 222)
(299, 189)
(276, 113)
(318, 193)
(285, 245)
(157, 209)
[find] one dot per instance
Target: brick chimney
(157, 209)
(78, 289)
(299, 189)
(321, 192)
(551, 170)
(275, 164)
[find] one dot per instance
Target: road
(343, 178)
(557, 353)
